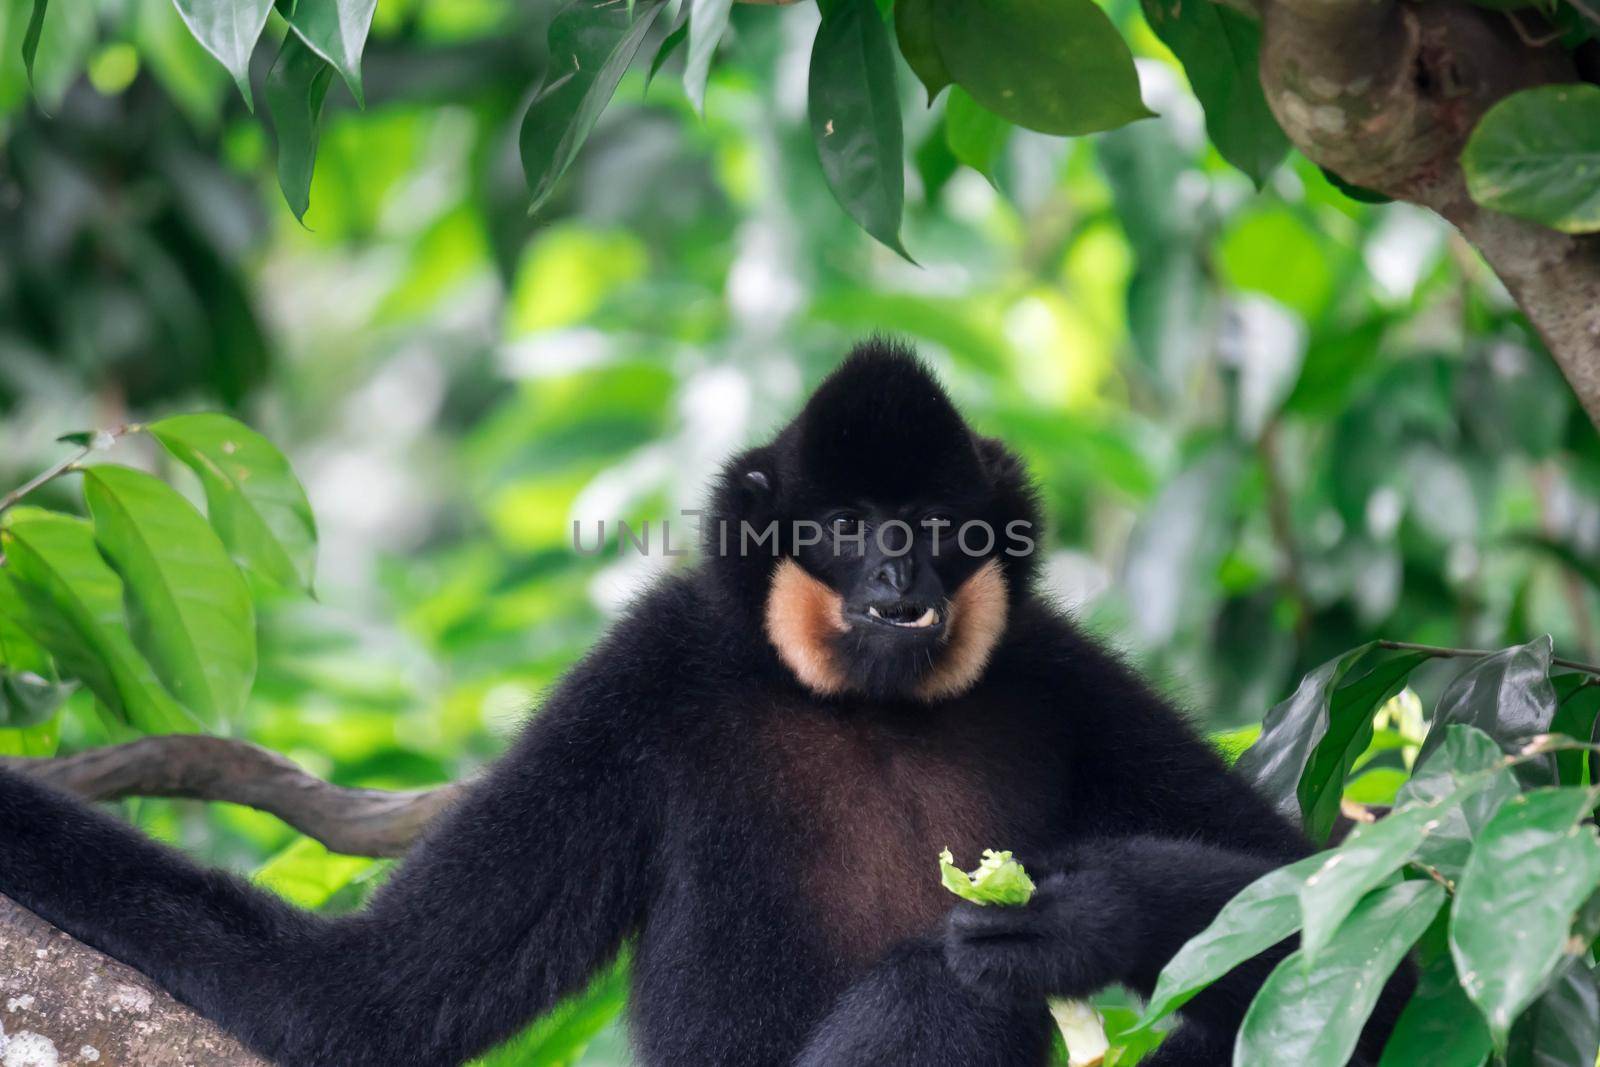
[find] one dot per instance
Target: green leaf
(72, 605)
(297, 86)
(188, 606)
(1439, 1025)
(1368, 857)
(913, 31)
(30, 36)
(668, 46)
(855, 117)
(1220, 50)
(1359, 193)
(1509, 697)
(1534, 865)
(1262, 913)
(708, 21)
(307, 874)
(1577, 708)
(560, 1035)
(28, 699)
(1536, 155)
(1562, 1028)
(976, 135)
(336, 30)
(228, 29)
(1467, 754)
(1349, 731)
(1311, 1014)
(1056, 66)
(1291, 732)
(999, 879)
(253, 499)
(592, 42)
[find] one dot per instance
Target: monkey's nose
(895, 574)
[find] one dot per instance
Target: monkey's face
(896, 535)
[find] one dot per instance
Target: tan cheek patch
(977, 621)
(803, 615)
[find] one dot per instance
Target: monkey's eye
(843, 521)
(939, 523)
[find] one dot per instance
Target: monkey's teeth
(927, 618)
(874, 613)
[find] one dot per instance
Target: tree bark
(1385, 95)
(62, 1003)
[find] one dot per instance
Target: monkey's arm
(511, 900)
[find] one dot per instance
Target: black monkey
(752, 777)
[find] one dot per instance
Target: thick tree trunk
(62, 1003)
(1385, 95)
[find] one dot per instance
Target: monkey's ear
(756, 479)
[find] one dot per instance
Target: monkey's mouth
(905, 615)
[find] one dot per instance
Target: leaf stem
(1477, 653)
(98, 440)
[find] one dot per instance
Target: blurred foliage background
(1268, 425)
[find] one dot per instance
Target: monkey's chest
(871, 807)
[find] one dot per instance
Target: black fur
(772, 853)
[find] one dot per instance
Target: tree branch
(359, 822)
(1385, 95)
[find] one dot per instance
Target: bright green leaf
(708, 21)
(1262, 913)
(1220, 50)
(253, 499)
(560, 1035)
(297, 86)
(592, 42)
(1534, 865)
(1311, 1014)
(307, 874)
(1536, 155)
(1366, 859)
(999, 879)
(976, 135)
(188, 606)
(72, 604)
(336, 30)
(1056, 66)
(228, 29)
(855, 117)
(913, 30)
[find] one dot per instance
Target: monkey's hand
(1068, 941)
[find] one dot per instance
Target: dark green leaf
(1263, 913)
(1291, 732)
(336, 30)
(1358, 193)
(1350, 713)
(1534, 865)
(1577, 707)
(71, 603)
(1467, 754)
(1439, 1025)
(913, 30)
(708, 21)
(592, 42)
(228, 29)
(1220, 50)
(668, 46)
(976, 135)
(1509, 697)
(30, 36)
(28, 699)
(855, 117)
(1056, 66)
(1311, 1014)
(297, 85)
(1536, 155)
(188, 606)
(1562, 1028)
(253, 499)
(1368, 858)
